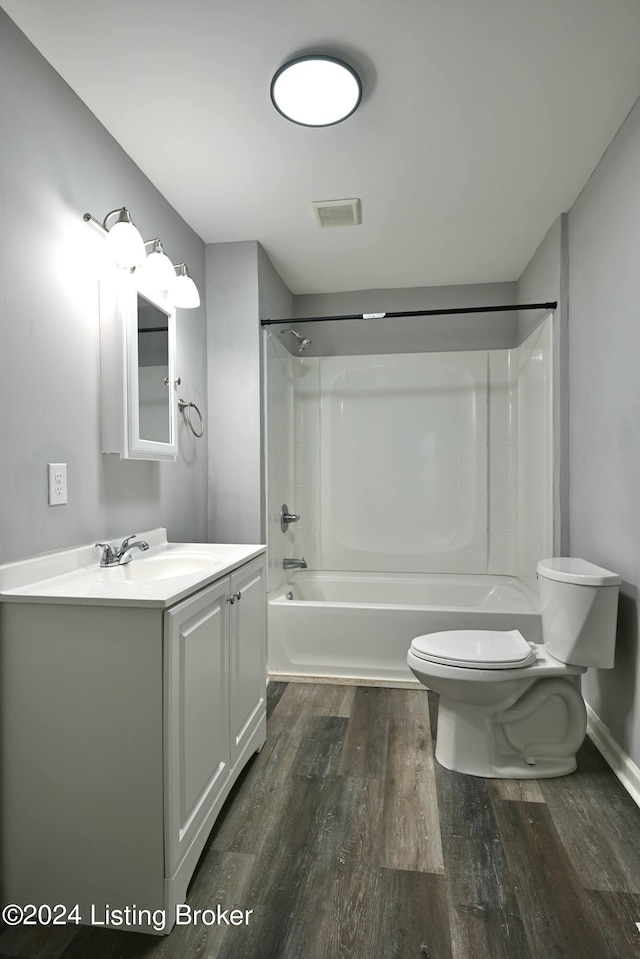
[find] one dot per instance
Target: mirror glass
(154, 415)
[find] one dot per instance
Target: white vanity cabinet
(217, 633)
(124, 727)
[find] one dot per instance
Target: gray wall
(233, 362)
(484, 331)
(56, 162)
(242, 288)
(604, 349)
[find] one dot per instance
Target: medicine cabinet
(137, 370)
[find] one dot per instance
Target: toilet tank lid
(570, 569)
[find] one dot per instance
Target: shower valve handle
(286, 517)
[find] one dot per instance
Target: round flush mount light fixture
(316, 90)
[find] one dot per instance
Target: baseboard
(621, 764)
(344, 680)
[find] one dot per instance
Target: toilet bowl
(509, 708)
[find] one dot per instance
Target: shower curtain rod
(378, 316)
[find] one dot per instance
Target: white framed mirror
(137, 370)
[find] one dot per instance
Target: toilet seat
(475, 649)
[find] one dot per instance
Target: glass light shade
(183, 292)
(316, 91)
(157, 271)
(126, 245)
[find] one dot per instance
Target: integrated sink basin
(164, 566)
(160, 576)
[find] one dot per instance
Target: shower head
(303, 341)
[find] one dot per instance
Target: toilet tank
(579, 604)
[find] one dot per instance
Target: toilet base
(478, 741)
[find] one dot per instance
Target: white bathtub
(358, 626)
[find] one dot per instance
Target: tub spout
(294, 563)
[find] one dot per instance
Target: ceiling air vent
(337, 212)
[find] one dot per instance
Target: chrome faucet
(121, 556)
(125, 557)
(294, 563)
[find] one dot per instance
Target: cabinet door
(248, 667)
(196, 713)
(137, 369)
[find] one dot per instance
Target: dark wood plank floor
(348, 841)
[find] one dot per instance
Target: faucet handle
(286, 517)
(108, 556)
(125, 542)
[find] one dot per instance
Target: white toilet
(511, 709)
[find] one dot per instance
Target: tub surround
(428, 462)
(403, 463)
(402, 466)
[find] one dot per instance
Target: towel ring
(184, 406)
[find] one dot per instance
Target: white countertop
(74, 576)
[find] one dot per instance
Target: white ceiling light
(316, 90)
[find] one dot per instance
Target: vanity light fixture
(157, 270)
(125, 242)
(183, 292)
(316, 90)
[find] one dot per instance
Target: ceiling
(479, 124)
